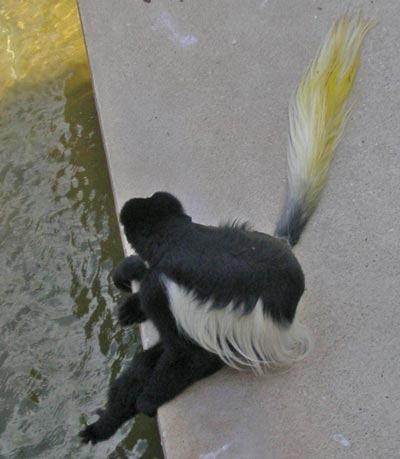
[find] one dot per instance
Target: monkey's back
(234, 266)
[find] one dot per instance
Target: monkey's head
(141, 216)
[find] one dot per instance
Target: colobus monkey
(228, 294)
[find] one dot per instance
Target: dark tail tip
(291, 224)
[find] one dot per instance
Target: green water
(59, 340)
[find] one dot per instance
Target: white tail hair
(318, 115)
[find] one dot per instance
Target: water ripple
(59, 239)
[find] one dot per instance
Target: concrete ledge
(192, 98)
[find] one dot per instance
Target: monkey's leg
(131, 268)
(130, 312)
(174, 372)
(121, 403)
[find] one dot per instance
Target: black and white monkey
(228, 294)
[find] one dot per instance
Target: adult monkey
(229, 294)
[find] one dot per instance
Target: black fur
(227, 264)
(131, 268)
(130, 312)
(292, 222)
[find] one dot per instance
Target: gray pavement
(192, 98)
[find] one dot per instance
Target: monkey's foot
(100, 430)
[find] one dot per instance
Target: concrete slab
(192, 98)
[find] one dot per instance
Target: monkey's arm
(130, 269)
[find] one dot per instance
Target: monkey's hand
(130, 269)
(130, 312)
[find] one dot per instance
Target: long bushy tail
(318, 114)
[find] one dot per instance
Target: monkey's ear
(164, 204)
